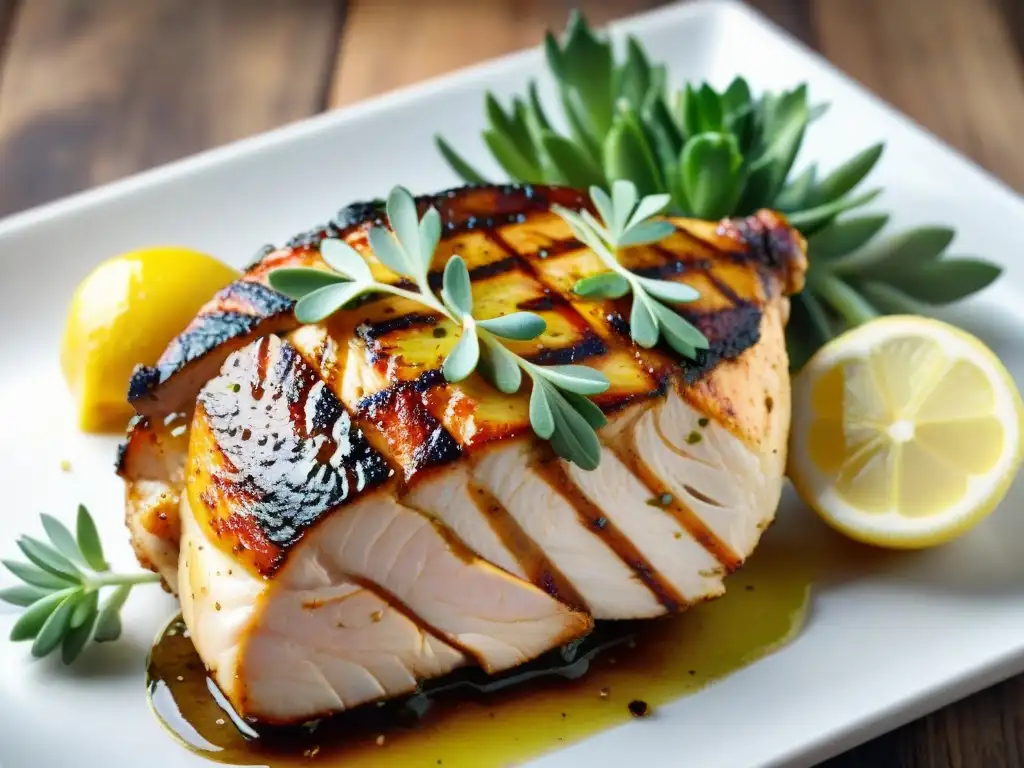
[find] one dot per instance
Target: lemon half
(125, 312)
(906, 432)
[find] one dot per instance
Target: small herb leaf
(668, 290)
(61, 538)
(586, 408)
(643, 325)
(48, 558)
(842, 237)
(89, 540)
(85, 608)
(22, 595)
(430, 236)
(903, 253)
(343, 258)
(29, 624)
(55, 627)
(297, 282)
(606, 285)
(576, 378)
(77, 638)
(389, 252)
(814, 219)
(645, 232)
(499, 366)
(576, 167)
(948, 280)
(324, 302)
(457, 288)
(108, 622)
(680, 334)
(401, 208)
(518, 326)
(30, 574)
(465, 355)
(541, 418)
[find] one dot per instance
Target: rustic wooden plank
(953, 68)
(389, 43)
(97, 89)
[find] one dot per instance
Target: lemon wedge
(906, 432)
(125, 312)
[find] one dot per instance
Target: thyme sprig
(628, 222)
(61, 586)
(560, 410)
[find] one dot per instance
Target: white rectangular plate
(890, 637)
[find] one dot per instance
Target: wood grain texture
(390, 43)
(96, 89)
(954, 68)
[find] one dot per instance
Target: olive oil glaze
(469, 720)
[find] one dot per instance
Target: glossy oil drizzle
(469, 720)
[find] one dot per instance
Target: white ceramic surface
(890, 637)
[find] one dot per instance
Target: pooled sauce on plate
(622, 671)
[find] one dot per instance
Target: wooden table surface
(92, 90)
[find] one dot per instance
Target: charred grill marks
(531, 558)
(291, 444)
(595, 521)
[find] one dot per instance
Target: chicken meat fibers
(340, 522)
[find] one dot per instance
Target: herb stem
(99, 580)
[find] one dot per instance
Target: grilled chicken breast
(340, 522)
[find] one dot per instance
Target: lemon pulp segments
(910, 432)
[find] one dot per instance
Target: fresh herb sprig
(627, 222)
(61, 586)
(560, 410)
(723, 153)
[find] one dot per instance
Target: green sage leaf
(456, 290)
(947, 280)
(847, 176)
(37, 577)
(573, 438)
(541, 419)
(843, 237)
(29, 624)
(463, 169)
(430, 236)
(462, 360)
(606, 285)
(402, 216)
(678, 331)
(624, 201)
(108, 623)
(649, 206)
(297, 282)
(813, 219)
(52, 632)
(343, 258)
(48, 558)
(605, 207)
(643, 326)
(518, 326)
(77, 638)
(498, 365)
(324, 302)
(87, 606)
(577, 167)
(390, 253)
(586, 408)
(710, 165)
(645, 232)
(668, 290)
(62, 538)
(576, 378)
(23, 595)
